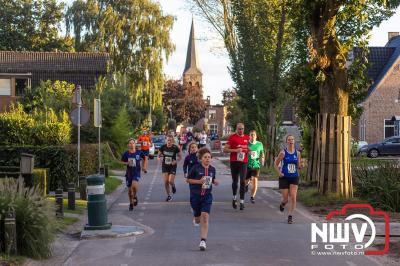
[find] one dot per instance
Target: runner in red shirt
(145, 142)
(238, 147)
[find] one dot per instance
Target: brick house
(19, 70)
(383, 101)
(216, 119)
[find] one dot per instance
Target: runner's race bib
(144, 143)
(131, 162)
(207, 183)
(253, 155)
(291, 168)
(168, 160)
(240, 156)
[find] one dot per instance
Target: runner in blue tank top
(290, 161)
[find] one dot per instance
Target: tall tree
(135, 33)
(32, 25)
(185, 104)
(258, 38)
(334, 28)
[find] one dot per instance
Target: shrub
(60, 161)
(20, 128)
(120, 130)
(379, 184)
(35, 217)
(40, 179)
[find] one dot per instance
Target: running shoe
(173, 188)
(135, 201)
(131, 207)
(282, 207)
(241, 206)
(234, 204)
(252, 200)
(169, 198)
(202, 245)
(290, 219)
(195, 223)
(145, 171)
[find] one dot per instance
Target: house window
(213, 128)
(5, 87)
(20, 86)
(363, 123)
(389, 128)
(212, 114)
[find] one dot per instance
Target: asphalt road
(259, 235)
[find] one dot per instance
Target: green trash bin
(96, 205)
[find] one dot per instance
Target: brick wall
(381, 105)
(219, 117)
(5, 102)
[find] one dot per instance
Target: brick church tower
(192, 75)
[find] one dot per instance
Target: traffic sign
(85, 116)
(97, 113)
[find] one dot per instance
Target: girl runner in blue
(290, 159)
(190, 159)
(132, 159)
(201, 178)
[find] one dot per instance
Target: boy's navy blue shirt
(197, 172)
(132, 171)
(190, 161)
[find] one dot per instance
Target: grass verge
(322, 204)
(11, 260)
(112, 183)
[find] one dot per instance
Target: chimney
(392, 34)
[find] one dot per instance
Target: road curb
(116, 231)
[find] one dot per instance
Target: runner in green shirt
(256, 160)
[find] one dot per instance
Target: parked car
(158, 141)
(389, 146)
(356, 146)
(152, 151)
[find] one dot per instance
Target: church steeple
(192, 74)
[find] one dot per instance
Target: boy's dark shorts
(201, 203)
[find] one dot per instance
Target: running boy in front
(201, 178)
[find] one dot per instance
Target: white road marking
(140, 220)
(236, 248)
(143, 208)
(132, 240)
(128, 252)
(124, 264)
(350, 263)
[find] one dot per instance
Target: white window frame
(384, 128)
(3, 90)
(212, 113)
(215, 130)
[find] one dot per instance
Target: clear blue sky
(213, 60)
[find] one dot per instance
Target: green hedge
(20, 128)
(61, 161)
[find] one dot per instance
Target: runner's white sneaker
(202, 245)
(195, 224)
